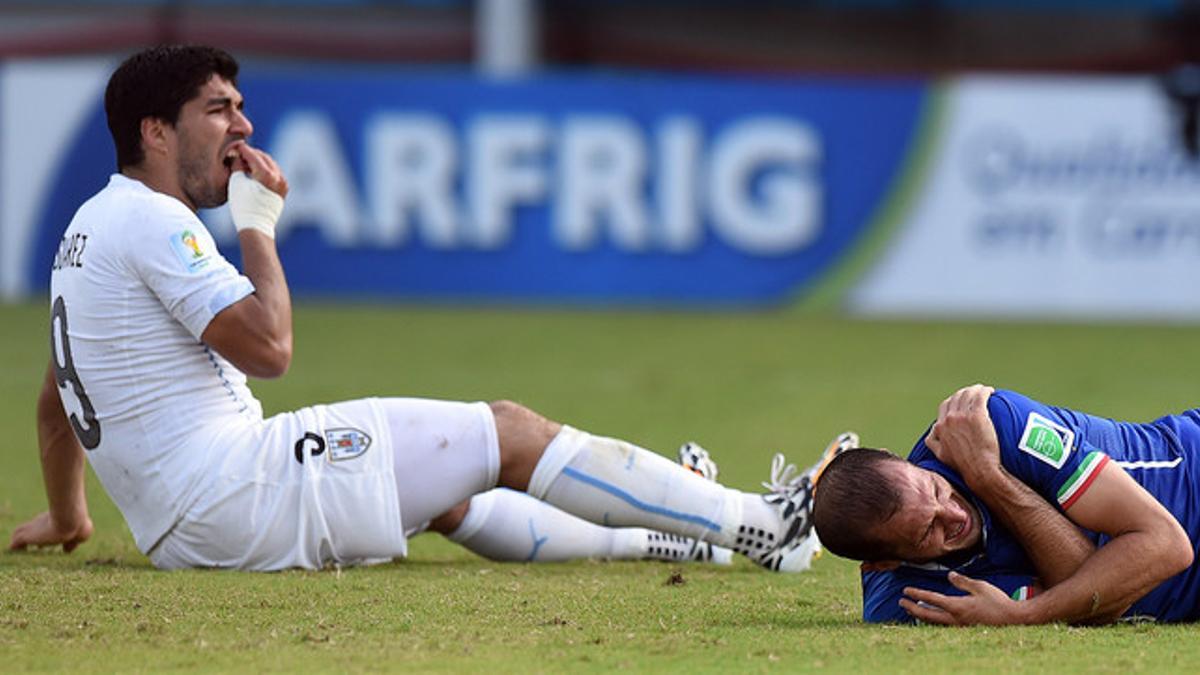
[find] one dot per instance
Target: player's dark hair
(157, 82)
(855, 494)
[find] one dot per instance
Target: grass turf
(742, 384)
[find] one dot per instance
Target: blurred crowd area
(822, 36)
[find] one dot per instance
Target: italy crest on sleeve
(1046, 440)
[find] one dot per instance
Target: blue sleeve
(882, 590)
(1041, 447)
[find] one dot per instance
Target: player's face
(934, 519)
(208, 125)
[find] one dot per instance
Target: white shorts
(334, 484)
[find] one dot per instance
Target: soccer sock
(615, 483)
(506, 525)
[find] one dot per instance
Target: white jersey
(136, 281)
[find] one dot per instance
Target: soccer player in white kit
(153, 334)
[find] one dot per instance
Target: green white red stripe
(1023, 593)
(1079, 481)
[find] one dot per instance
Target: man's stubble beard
(195, 180)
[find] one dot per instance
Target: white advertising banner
(1048, 197)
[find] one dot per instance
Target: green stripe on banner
(1085, 467)
(829, 292)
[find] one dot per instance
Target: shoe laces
(791, 491)
(785, 477)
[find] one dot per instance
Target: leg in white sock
(615, 483)
(507, 525)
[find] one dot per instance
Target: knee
(450, 520)
(516, 422)
(523, 435)
(509, 412)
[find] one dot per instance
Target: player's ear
(879, 565)
(154, 135)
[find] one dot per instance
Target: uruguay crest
(346, 444)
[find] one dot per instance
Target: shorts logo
(346, 443)
(1049, 442)
(190, 251)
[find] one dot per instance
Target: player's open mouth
(231, 155)
(957, 533)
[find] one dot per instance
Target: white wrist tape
(252, 205)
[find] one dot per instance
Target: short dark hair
(854, 495)
(157, 82)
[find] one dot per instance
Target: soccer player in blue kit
(1011, 511)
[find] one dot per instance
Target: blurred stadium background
(924, 158)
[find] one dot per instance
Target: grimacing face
(209, 124)
(933, 520)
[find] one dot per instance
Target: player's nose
(948, 511)
(241, 124)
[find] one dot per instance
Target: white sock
(506, 525)
(511, 526)
(614, 483)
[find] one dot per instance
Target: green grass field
(744, 385)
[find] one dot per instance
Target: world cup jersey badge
(1050, 442)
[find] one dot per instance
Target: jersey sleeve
(1040, 447)
(178, 260)
(882, 591)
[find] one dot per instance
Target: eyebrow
(223, 101)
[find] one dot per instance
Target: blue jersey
(1058, 452)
